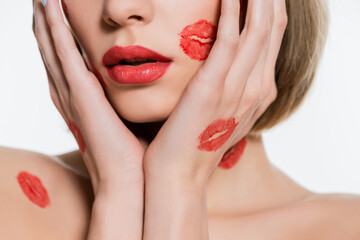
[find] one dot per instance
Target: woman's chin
(143, 116)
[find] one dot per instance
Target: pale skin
(184, 197)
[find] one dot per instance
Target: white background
(318, 146)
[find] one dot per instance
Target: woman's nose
(126, 12)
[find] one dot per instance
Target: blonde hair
(299, 56)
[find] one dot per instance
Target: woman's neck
(252, 185)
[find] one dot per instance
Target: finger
(254, 87)
(278, 30)
(72, 63)
(267, 85)
(255, 36)
(211, 74)
(49, 56)
(55, 97)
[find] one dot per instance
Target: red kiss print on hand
(221, 126)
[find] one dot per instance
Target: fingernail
(43, 2)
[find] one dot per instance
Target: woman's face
(100, 25)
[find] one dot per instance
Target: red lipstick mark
(232, 156)
(65, 9)
(194, 37)
(77, 134)
(221, 126)
(97, 74)
(33, 189)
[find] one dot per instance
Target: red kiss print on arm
(77, 134)
(221, 129)
(33, 189)
(198, 39)
(233, 155)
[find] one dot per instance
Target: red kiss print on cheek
(33, 189)
(216, 134)
(65, 9)
(197, 39)
(233, 155)
(77, 134)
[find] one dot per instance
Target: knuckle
(206, 94)
(281, 22)
(229, 40)
(252, 97)
(273, 94)
(54, 99)
(260, 29)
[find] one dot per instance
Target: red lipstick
(221, 129)
(135, 64)
(194, 37)
(233, 155)
(33, 189)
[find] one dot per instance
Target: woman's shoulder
(40, 196)
(318, 216)
(332, 216)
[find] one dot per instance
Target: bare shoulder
(330, 216)
(40, 198)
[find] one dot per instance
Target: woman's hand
(112, 154)
(226, 96)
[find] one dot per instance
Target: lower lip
(226, 127)
(33, 189)
(141, 74)
(233, 155)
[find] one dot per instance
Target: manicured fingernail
(43, 2)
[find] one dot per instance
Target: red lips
(224, 129)
(194, 38)
(147, 72)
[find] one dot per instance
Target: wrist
(179, 205)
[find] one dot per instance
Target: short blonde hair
(299, 56)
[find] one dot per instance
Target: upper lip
(117, 53)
